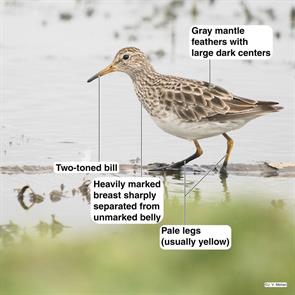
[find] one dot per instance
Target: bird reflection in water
(54, 228)
(172, 179)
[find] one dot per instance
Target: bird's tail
(257, 106)
(269, 106)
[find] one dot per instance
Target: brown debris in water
(55, 195)
(33, 197)
(27, 197)
(84, 189)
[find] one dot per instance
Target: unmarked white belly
(196, 130)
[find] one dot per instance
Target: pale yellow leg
(199, 150)
(197, 154)
(230, 145)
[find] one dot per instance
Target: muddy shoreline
(259, 169)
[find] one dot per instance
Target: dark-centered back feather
(193, 100)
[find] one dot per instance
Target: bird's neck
(146, 85)
(144, 76)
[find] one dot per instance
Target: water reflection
(54, 228)
(225, 190)
(176, 183)
(11, 233)
(213, 189)
(278, 204)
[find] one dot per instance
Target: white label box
(85, 167)
(127, 200)
(195, 237)
(231, 42)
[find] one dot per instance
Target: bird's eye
(125, 56)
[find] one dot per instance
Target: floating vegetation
(247, 12)
(89, 11)
(160, 53)
(65, 16)
(132, 38)
(12, 3)
(194, 12)
(107, 15)
(129, 27)
(32, 196)
(292, 17)
(44, 23)
(84, 189)
(135, 161)
(27, 169)
(176, 3)
(28, 198)
(277, 35)
(270, 13)
(56, 195)
(170, 12)
(146, 18)
(170, 15)
(116, 35)
(156, 11)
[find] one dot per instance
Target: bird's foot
(157, 167)
(164, 167)
(176, 165)
(223, 172)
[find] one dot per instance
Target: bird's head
(129, 60)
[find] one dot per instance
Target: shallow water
(50, 112)
(72, 208)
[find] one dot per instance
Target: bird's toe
(223, 172)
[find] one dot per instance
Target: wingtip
(278, 108)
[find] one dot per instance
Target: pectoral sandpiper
(186, 108)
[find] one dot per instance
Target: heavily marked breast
(151, 100)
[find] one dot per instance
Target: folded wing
(195, 101)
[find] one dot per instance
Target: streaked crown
(132, 61)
